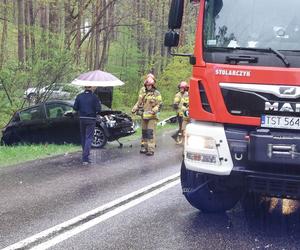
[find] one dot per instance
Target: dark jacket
(87, 104)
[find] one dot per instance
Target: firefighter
(177, 105)
(184, 109)
(148, 105)
(142, 92)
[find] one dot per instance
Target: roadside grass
(11, 155)
(22, 153)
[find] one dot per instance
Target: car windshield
(104, 107)
(252, 24)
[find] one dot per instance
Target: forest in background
(52, 41)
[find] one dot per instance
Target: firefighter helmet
(149, 81)
(150, 75)
(184, 85)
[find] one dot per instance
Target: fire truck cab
(244, 101)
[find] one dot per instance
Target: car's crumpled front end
(117, 124)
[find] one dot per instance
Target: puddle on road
(272, 216)
(255, 223)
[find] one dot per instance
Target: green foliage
(177, 70)
(57, 67)
(129, 58)
(124, 58)
(5, 110)
(123, 62)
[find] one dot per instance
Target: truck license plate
(287, 122)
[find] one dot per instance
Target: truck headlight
(202, 149)
(201, 142)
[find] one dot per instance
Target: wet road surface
(44, 193)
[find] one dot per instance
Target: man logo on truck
(282, 107)
(287, 91)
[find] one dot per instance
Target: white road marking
(65, 230)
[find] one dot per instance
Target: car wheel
(210, 194)
(99, 139)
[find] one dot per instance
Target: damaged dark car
(55, 122)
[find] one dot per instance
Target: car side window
(16, 118)
(57, 110)
(31, 114)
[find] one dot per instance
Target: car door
(61, 128)
(32, 125)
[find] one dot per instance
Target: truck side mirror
(171, 39)
(176, 13)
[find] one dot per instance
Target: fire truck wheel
(208, 193)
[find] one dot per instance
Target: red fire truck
(244, 101)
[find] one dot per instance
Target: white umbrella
(97, 78)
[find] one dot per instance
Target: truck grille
(241, 102)
(281, 188)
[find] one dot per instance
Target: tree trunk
(32, 28)
(183, 31)
(90, 51)
(27, 31)
(45, 29)
(21, 53)
(163, 27)
(53, 17)
(97, 35)
(4, 34)
(68, 23)
(107, 25)
(78, 31)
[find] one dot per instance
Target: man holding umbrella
(88, 105)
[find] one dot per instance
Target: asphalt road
(42, 194)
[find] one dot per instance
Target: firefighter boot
(143, 150)
(179, 139)
(150, 153)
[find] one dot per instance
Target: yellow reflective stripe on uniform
(184, 104)
(177, 98)
(148, 116)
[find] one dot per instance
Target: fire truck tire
(210, 194)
